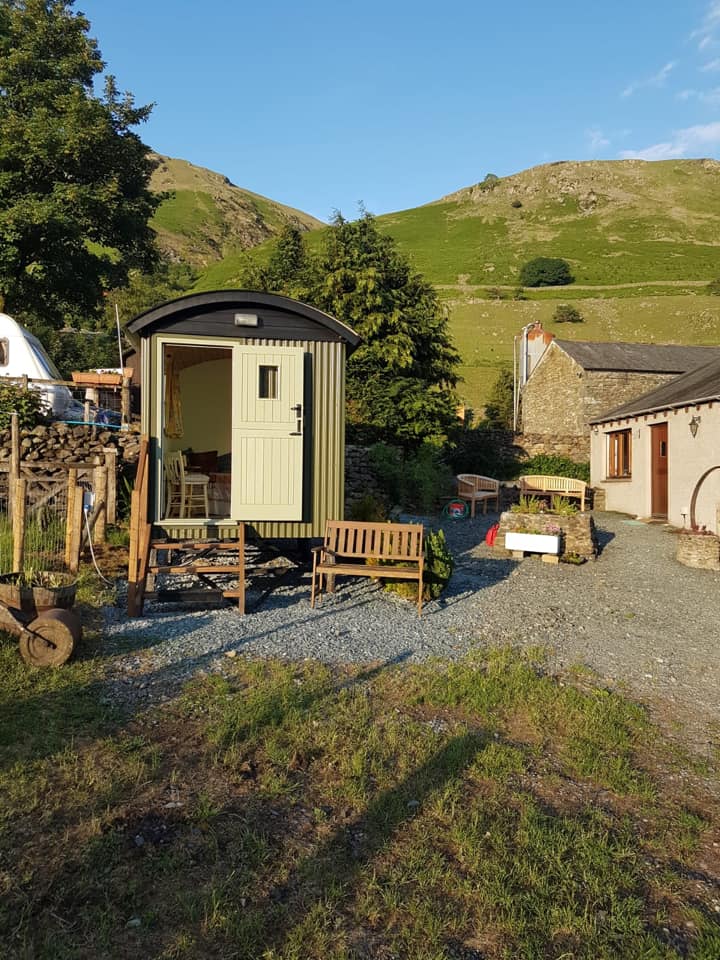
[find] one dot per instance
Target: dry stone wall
(71, 444)
(360, 479)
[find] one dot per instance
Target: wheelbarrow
(41, 618)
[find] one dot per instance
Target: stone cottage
(571, 382)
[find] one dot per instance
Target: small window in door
(268, 382)
(4, 352)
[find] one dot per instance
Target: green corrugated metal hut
(251, 388)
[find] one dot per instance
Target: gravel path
(635, 616)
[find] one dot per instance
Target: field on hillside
(484, 329)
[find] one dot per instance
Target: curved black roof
(212, 314)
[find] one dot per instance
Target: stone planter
(532, 542)
(577, 531)
(701, 550)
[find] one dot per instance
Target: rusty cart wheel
(50, 639)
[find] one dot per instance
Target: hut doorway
(235, 412)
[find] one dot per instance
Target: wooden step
(195, 568)
(194, 545)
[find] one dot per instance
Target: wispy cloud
(712, 66)
(596, 139)
(706, 33)
(688, 142)
(656, 80)
(709, 97)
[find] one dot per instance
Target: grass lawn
(474, 810)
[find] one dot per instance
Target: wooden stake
(71, 488)
(125, 401)
(76, 531)
(100, 490)
(111, 469)
(19, 488)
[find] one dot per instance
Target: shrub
(555, 466)
(28, 404)
(545, 272)
(516, 204)
(494, 293)
(713, 288)
(489, 183)
(415, 479)
(437, 571)
(564, 313)
(369, 509)
(519, 294)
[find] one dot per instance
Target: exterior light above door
(694, 424)
(245, 319)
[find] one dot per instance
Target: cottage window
(619, 454)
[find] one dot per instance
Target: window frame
(619, 454)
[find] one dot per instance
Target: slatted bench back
(384, 541)
(549, 484)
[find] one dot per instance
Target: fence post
(76, 529)
(71, 491)
(111, 498)
(14, 459)
(125, 401)
(100, 490)
(19, 498)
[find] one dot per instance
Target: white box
(533, 542)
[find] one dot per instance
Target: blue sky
(323, 105)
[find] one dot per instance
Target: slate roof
(637, 357)
(701, 385)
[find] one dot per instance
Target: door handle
(297, 410)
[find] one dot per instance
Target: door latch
(297, 410)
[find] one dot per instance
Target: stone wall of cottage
(606, 389)
(561, 398)
(552, 399)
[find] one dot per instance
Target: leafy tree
(74, 197)
(147, 289)
(500, 406)
(545, 272)
(401, 380)
(565, 313)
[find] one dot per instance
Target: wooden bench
(534, 484)
(473, 487)
(350, 543)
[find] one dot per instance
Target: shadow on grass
(339, 861)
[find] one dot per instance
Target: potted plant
(34, 591)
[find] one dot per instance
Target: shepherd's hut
(243, 408)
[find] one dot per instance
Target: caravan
(22, 354)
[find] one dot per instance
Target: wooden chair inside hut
(185, 491)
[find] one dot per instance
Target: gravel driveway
(635, 616)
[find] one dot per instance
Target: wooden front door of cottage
(659, 470)
(267, 433)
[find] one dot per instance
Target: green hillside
(208, 217)
(642, 239)
(615, 221)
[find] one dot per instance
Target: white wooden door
(267, 433)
